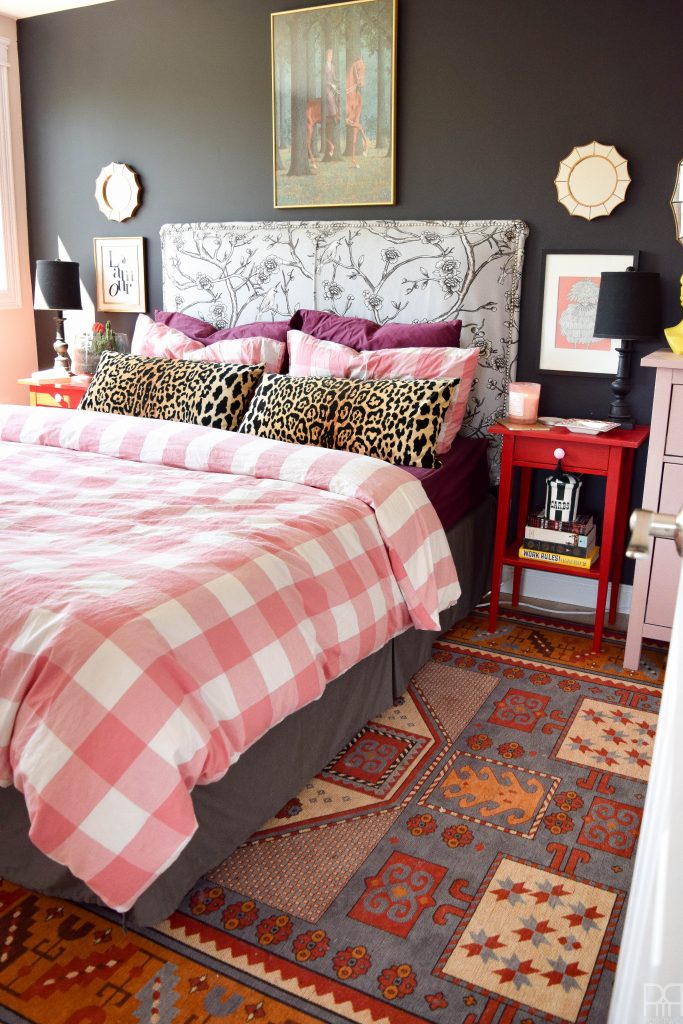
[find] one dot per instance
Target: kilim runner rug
(465, 859)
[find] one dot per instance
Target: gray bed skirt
(275, 768)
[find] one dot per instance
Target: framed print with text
(120, 275)
(334, 104)
(569, 300)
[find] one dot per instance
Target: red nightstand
(66, 396)
(609, 455)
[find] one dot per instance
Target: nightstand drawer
(674, 434)
(579, 457)
(58, 399)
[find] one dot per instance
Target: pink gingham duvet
(167, 594)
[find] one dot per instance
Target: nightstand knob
(58, 398)
(559, 453)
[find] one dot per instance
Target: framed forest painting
(334, 102)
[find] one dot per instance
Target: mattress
(460, 483)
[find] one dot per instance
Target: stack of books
(562, 543)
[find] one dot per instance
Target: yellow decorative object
(674, 335)
(592, 180)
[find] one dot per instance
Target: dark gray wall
(491, 95)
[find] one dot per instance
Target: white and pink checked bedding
(170, 592)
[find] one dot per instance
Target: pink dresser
(656, 579)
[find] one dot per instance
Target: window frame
(10, 295)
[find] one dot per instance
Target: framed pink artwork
(569, 299)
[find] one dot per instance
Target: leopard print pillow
(212, 394)
(397, 421)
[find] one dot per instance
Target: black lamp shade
(57, 285)
(628, 305)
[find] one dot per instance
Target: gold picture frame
(120, 285)
(334, 105)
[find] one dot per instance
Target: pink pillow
(151, 339)
(360, 334)
(156, 339)
(200, 330)
(311, 357)
(243, 350)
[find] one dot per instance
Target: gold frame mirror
(117, 191)
(592, 180)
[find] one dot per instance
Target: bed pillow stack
(310, 356)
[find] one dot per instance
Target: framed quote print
(569, 301)
(120, 275)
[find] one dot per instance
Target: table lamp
(58, 288)
(628, 309)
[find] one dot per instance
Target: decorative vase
(88, 349)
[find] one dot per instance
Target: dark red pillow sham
(363, 335)
(200, 330)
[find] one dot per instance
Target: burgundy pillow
(363, 335)
(200, 330)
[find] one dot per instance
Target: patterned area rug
(464, 860)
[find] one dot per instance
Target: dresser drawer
(674, 434)
(666, 565)
(578, 458)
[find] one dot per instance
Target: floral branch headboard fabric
(384, 270)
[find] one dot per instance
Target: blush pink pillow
(311, 357)
(156, 339)
(152, 339)
(243, 350)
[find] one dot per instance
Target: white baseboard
(572, 590)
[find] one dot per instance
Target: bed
(239, 273)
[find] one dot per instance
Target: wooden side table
(609, 455)
(65, 396)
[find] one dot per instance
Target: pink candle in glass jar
(523, 401)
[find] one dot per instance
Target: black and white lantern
(562, 492)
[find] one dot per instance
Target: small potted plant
(89, 347)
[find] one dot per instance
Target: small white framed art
(120, 275)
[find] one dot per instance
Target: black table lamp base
(620, 410)
(62, 357)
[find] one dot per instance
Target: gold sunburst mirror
(592, 180)
(677, 202)
(118, 191)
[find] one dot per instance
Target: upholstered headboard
(384, 270)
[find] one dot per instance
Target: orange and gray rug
(464, 860)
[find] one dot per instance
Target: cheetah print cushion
(213, 394)
(394, 420)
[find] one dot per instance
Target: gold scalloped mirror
(592, 180)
